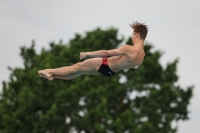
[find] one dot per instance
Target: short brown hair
(140, 28)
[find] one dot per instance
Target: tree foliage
(144, 99)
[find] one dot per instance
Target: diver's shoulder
(125, 46)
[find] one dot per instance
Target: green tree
(144, 99)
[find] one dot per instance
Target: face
(133, 36)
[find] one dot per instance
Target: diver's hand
(83, 55)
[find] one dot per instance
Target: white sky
(174, 28)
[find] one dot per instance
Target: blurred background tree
(144, 99)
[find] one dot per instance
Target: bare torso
(134, 56)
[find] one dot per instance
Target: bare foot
(46, 74)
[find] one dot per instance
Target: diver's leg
(61, 73)
(70, 77)
(70, 72)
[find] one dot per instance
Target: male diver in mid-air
(106, 62)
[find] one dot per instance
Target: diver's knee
(77, 66)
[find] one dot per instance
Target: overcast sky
(174, 28)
